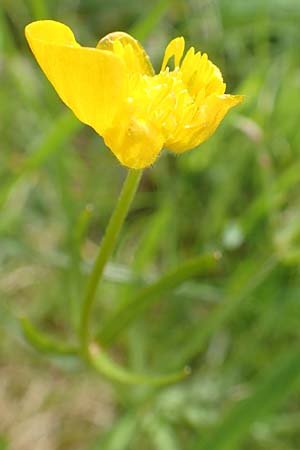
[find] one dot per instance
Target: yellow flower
(113, 88)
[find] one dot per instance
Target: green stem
(105, 250)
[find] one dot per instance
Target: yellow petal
(130, 50)
(175, 48)
(90, 81)
(198, 73)
(209, 116)
(135, 142)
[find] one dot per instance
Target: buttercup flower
(113, 88)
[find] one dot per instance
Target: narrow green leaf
(42, 342)
(276, 385)
(114, 372)
(135, 306)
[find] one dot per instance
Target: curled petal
(199, 73)
(130, 50)
(90, 81)
(209, 116)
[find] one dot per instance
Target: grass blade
(197, 336)
(269, 393)
(65, 127)
(120, 434)
(144, 27)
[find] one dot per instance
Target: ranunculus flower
(113, 88)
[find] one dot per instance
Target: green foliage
(166, 302)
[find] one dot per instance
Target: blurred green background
(235, 200)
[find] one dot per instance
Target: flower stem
(105, 250)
